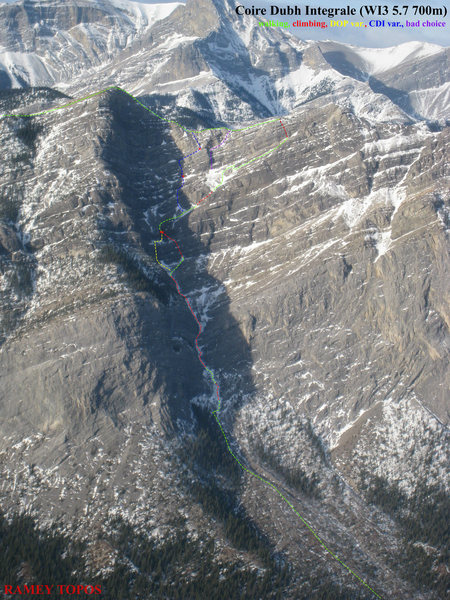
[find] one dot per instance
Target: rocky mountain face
(413, 76)
(206, 59)
(42, 43)
(315, 262)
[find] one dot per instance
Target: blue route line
(210, 372)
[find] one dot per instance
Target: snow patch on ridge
(354, 209)
(61, 54)
(149, 12)
(379, 60)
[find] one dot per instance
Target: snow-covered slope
(49, 42)
(146, 13)
(221, 67)
(232, 69)
(414, 76)
(379, 60)
(205, 60)
(382, 59)
(317, 271)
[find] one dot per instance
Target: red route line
(205, 197)
(172, 240)
(200, 328)
(215, 412)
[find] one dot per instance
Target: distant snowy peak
(43, 12)
(43, 43)
(414, 76)
(382, 59)
(374, 61)
(145, 12)
(203, 58)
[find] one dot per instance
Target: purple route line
(211, 373)
(180, 160)
(218, 146)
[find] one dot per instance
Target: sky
(369, 37)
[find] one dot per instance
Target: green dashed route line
(114, 87)
(222, 181)
(170, 272)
